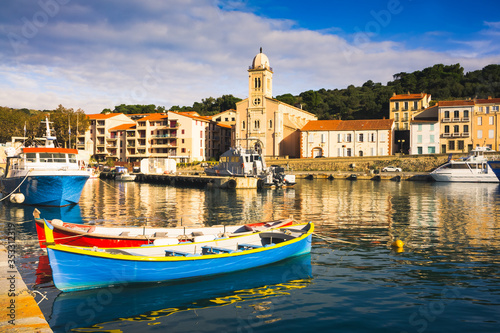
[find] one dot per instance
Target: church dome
(261, 61)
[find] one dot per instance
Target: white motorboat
(471, 169)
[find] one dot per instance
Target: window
(183, 150)
(270, 124)
(405, 106)
(490, 120)
(466, 128)
(311, 137)
(479, 134)
(447, 129)
(348, 152)
(257, 124)
(447, 114)
(323, 137)
(339, 138)
(348, 138)
(372, 138)
(494, 108)
(479, 120)
(419, 127)
(405, 116)
(461, 145)
(201, 134)
(480, 109)
(432, 127)
(243, 124)
(456, 114)
(431, 138)
(182, 140)
(466, 113)
(182, 131)
(360, 138)
(396, 117)
(431, 150)
(487, 109)
(396, 106)
(419, 139)
(491, 134)
(451, 145)
(456, 129)
(415, 105)
(419, 150)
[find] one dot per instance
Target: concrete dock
(19, 310)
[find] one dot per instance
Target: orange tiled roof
(455, 103)
(154, 116)
(122, 127)
(224, 125)
(348, 125)
(99, 116)
(408, 96)
(488, 101)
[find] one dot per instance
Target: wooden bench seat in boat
(215, 250)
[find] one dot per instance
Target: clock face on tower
(256, 101)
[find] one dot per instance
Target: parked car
(391, 169)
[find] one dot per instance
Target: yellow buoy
(398, 244)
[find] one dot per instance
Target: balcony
(446, 135)
(446, 120)
(465, 119)
(456, 135)
(465, 135)
(456, 120)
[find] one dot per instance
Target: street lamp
(401, 143)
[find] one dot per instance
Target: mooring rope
(114, 187)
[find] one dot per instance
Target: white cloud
(176, 53)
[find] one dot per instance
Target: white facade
(424, 137)
(337, 138)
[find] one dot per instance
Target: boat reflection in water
(105, 308)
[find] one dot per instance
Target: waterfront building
(341, 138)
(97, 139)
(260, 117)
(402, 108)
(424, 132)
(485, 123)
(455, 125)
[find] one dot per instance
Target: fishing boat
(107, 237)
(471, 169)
(249, 162)
(75, 268)
(43, 174)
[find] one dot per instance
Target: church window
(270, 124)
(243, 124)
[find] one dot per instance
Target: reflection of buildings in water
(468, 213)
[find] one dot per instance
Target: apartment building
(455, 125)
(341, 138)
(97, 139)
(486, 127)
(403, 107)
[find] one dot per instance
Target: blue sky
(97, 54)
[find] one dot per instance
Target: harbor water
(445, 278)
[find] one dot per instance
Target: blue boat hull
(76, 271)
(47, 190)
(495, 166)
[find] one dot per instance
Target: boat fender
(17, 198)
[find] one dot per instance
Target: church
(262, 118)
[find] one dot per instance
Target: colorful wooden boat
(107, 237)
(76, 268)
